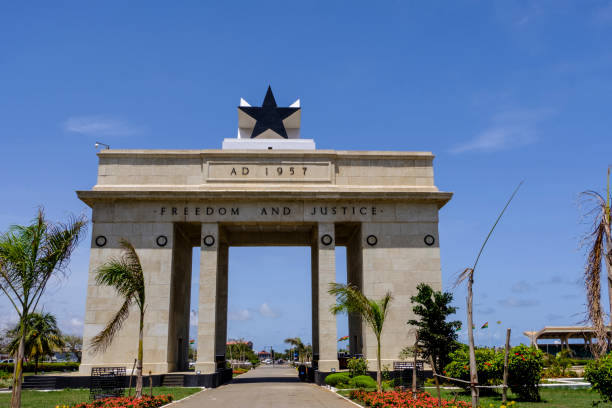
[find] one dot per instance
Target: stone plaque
(282, 171)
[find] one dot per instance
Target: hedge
(46, 367)
(363, 381)
(337, 378)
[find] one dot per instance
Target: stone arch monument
(266, 187)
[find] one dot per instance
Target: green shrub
(524, 369)
(363, 381)
(489, 364)
(357, 366)
(599, 374)
(29, 367)
(525, 366)
(335, 379)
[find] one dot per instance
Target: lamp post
(98, 144)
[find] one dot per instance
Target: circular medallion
(372, 240)
(162, 240)
(429, 240)
(209, 240)
(100, 240)
(326, 239)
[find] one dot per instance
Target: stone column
(221, 304)
(207, 303)
(103, 302)
(396, 260)
(354, 272)
(324, 331)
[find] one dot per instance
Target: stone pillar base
(205, 367)
(328, 365)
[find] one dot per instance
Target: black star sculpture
(268, 116)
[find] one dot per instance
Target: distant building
(561, 335)
(263, 355)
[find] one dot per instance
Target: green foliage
(557, 366)
(350, 300)
(46, 367)
(42, 336)
(599, 374)
(489, 364)
(336, 379)
(437, 337)
(363, 381)
(525, 366)
(357, 366)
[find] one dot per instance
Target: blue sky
(499, 91)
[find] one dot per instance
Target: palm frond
(597, 240)
(103, 339)
(133, 262)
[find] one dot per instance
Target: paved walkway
(266, 387)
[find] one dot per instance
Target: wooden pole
(414, 366)
(131, 374)
(506, 352)
(433, 370)
(150, 384)
(473, 369)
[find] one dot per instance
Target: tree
(43, 337)
(29, 256)
(126, 277)
(599, 242)
(297, 344)
(349, 299)
(74, 344)
(437, 337)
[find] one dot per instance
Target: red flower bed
(128, 402)
(402, 399)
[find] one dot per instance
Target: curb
(185, 398)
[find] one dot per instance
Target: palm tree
(299, 346)
(29, 256)
(599, 242)
(350, 300)
(43, 337)
(126, 276)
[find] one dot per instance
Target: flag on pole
(458, 328)
(343, 338)
(485, 326)
(191, 341)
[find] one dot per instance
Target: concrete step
(38, 382)
(173, 380)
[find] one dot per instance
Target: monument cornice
(215, 153)
(437, 197)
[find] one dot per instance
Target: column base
(205, 367)
(328, 365)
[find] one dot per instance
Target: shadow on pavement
(247, 380)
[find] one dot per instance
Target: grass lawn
(49, 399)
(551, 398)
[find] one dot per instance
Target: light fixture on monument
(268, 127)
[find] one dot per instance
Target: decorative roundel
(326, 239)
(429, 240)
(100, 240)
(372, 240)
(162, 240)
(209, 240)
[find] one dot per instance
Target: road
(266, 387)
